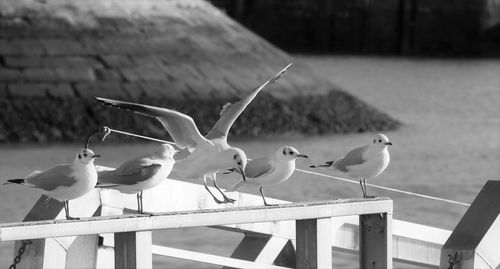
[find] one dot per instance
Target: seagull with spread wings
(201, 157)
(364, 162)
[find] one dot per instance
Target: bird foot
(369, 196)
(219, 201)
(144, 213)
(229, 200)
(267, 204)
(72, 218)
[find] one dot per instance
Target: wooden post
(314, 246)
(133, 250)
(474, 241)
(375, 241)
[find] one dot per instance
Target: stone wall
(55, 55)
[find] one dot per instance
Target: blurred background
(426, 73)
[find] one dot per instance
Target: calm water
(449, 146)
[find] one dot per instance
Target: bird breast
(377, 162)
(86, 180)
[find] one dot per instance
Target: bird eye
(380, 140)
(239, 163)
(290, 152)
(85, 155)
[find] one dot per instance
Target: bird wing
(353, 157)
(181, 127)
(52, 178)
(230, 112)
(259, 167)
(131, 177)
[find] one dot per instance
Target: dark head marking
(79, 156)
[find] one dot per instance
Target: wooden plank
(250, 247)
(126, 223)
(262, 249)
(375, 241)
(133, 250)
(209, 258)
(324, 242)
(313, 240)
(306, 236)
(83, 252)
(54, 254)
(105, 257)
(271, 250)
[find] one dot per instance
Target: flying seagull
(201, 157)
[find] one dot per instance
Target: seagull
(364, 162)
(66, 181)
(270, 170)
(139, 174)
(201, 157)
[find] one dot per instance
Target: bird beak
(388, 143)
(302, 156)
(96, 156)
(243, 174)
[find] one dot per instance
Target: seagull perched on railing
(201, 157)
(139, 174)
(66, 181)
(364, 162)
(270, 170)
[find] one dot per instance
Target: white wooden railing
(65, 244)
(302, 232)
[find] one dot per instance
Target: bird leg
(213, 196)
(226, 199)
(66, 209)
(264, 198)
(362, 188)
(139, 203)
(365, 193)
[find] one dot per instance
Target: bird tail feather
(236, 186)
(106, 185)
(327, 164)
(15, 181)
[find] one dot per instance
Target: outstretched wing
(353, 157)
(230, 112)
(181, 127)
(259, 167)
